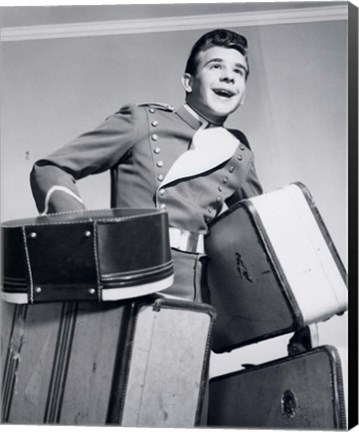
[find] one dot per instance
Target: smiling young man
(181, 160)
(216, 84)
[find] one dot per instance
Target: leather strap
(186, 241)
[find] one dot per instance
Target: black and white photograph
(178, 215)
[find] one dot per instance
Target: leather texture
(77, 255)
(167, 358)
(250, 287)
(243, 286)
(299, 392)
(76, 363)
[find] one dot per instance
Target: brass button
(220, 188)
(163, 206)
(87, 233)
(162, 192)
(154, 123)
(38, 290)
(160, 177)
(219, 199)
(157, 150)
(210, 209)
(92, 291)
(231, 169)
(154, 137)
(225, 179)
(151, 110)
(159, 164)
(242, 147)
(239, 157)
(33, 235)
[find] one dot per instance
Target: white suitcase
(272, 268)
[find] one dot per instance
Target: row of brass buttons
(225, 179)
(157, 151)
(160, 177)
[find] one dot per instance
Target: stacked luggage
(88, 339)
(273, 270)
(78, 347)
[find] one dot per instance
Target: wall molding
(183, 23)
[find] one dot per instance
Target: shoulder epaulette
(158, 105)
(240, 135)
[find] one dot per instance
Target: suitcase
(268, 257)
(141, 363)
(303, 391)
(86, 255)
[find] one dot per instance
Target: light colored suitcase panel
(305, 256)
(269, 256)
(91, 364)
(299, 392)
(65, 359)
(167, 368)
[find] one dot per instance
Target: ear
(187, 82)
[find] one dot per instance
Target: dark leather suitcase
(268, 257)
(86, 255)
(133, 363)
(303, 391)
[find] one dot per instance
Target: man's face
(218, 86)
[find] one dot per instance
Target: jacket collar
(188, 117)
(193, 118)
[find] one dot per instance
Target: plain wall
(295, 113)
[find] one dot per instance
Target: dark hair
(221, 38)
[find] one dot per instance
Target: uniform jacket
(139, 144)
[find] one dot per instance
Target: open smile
(223, 92)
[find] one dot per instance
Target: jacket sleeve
(53, 179)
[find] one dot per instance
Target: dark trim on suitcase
(61, 362)
(338, 399)
(12, 359)
(60, 365)
(124, 351)
(274, 262)
(124, 347)
(74, 256)
(321, 225)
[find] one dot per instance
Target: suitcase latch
(288, 404)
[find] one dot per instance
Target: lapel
(210, 147)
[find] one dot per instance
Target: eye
(239, 71)
(216, 66)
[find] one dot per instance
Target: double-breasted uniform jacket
(139, 144)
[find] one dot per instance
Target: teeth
(222, 92)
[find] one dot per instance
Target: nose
(227, 76)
